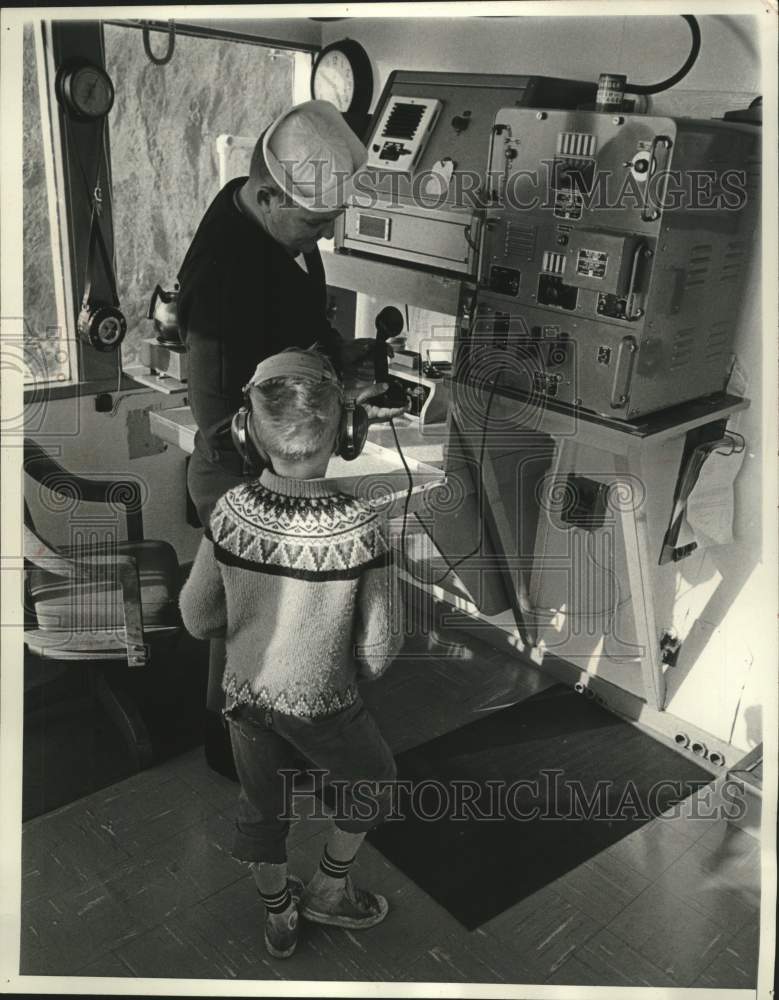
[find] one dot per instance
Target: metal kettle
(163, 311)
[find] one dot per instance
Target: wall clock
(342, 74)
(84, 90)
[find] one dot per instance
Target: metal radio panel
(626, 238)
(417, 235)
(420, 200)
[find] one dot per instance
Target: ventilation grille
(682, 349)
(576, 144)
(520, 241)
(403, 121)
(733, 262)
(718, 341)
(553, 263)
(698, 266)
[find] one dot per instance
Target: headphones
(353, 426)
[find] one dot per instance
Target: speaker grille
(718, 341)
(553, 262)
(576, 144)
(403, 121)
(682, 349)
(733, 262)
(698, 265)
(520, 241)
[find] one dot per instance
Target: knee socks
(337, 858)
(271, 882)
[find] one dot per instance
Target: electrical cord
(611, 612)
(619, 604)
(95, 197)
(408, 492)
(451, 566)
(656, 88)
(738, 703)
(110, 195)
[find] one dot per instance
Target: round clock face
(334, 80)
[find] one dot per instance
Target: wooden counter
(377, 474)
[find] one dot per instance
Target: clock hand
(329, 79)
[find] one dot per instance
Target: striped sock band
(277, 902)
(334, 869)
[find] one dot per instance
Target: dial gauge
(85, 91)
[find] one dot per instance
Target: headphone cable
(451, 566)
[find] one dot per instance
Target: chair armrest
(43, 556)
(126, 493)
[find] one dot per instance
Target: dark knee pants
(347, 746)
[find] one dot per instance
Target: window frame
(69, 215)
(52, 165)
(93, 371)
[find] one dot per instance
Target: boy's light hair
(293, 416)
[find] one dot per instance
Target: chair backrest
(123, 493)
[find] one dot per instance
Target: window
(163, 130)
(48, 353)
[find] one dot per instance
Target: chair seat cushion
(63, 603)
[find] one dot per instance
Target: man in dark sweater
(252, 284)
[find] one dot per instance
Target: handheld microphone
(389, 324)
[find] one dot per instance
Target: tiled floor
(137, 880)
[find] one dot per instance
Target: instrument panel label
(592, 263)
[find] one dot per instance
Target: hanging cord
(96, 240)
(655, 88)
(107, 161)
(408, 492)
(618, 604)
(740, 698)
(610, 611)
(110, 197)
(94, 195)
(451, 566)
(160, 60)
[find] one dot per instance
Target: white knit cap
(313, 155)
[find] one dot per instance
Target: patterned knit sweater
(298, 579)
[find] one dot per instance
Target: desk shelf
(377, 474)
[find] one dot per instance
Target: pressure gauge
(84, 90)
(342, 74)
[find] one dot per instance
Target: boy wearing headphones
(297, 577)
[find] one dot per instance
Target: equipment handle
(648, 215)
(623, 371)
(630, 313)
